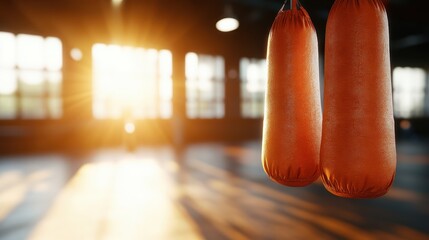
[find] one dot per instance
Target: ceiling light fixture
(117, 3)
(228, 22)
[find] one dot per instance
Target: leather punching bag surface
(358, 156)
(292, 120)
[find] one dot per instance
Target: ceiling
(188, 25)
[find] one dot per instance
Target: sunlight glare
(408, 91)
(252, 78)
(115, 73)
(131, 196)
(7, 50)
(191, 65)
(129, 127)
(205, 71)
(12, 197)
(165, 63)
(8, 82)
(129, 79)
(53, 54)
(30, 51)
(31, 77)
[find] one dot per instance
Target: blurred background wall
(78, 74)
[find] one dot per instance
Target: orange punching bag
(358, 156)
(292, 120)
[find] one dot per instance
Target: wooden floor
(206, 191)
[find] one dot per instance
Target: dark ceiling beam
(261, 4)
(410, 41)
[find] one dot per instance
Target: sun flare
(132, 81)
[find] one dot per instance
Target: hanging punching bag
(292, 120)
(358, 156)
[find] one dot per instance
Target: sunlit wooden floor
(205, 191)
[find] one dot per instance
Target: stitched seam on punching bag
(338, 186)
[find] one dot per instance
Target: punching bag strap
(293, 5)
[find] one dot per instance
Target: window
(409, 92)
(131, 82)
(30, 76)
(205, 86)
(253, 75)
